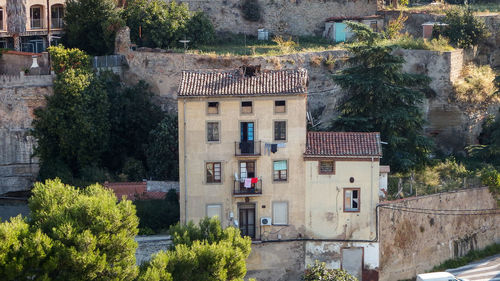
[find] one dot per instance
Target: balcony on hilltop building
(248, 188)
(247, 148)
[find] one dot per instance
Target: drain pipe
(371, 189)
(185, 165)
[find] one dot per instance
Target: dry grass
(316, 61)
(476, 86)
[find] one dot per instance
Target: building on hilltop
(246, 157)
(33, 23)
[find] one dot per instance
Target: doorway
(247, 138)
(352, 261)
(247, 220)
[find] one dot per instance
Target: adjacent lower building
(34, 24)
(247, 158)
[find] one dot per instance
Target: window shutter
(280, 165)
(280, 213)
(214, 210)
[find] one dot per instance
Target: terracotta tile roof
(235, 83)
(342, 144)
(133, 190)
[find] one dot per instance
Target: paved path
(483, 270)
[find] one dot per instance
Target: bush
(200, 29)
(395, 26)
(158, 215)
(134, 170)
(464, 29)
(318, 272)
(285, 46)
(476, 86)
(72, 234)
(204, 252)
(251, 10)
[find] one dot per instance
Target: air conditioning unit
(265, 221)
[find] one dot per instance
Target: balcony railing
(36, 24)
(251, 189)
(56, 23)
(247, 148)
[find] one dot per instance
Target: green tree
(318, 272)
(156, 23)
(157, 215)
(132, 115)
(204, 252)
(91, 25)
(488, 150)
(72, 234)
(464, 29)
(72, 130)
(200, 29)
(163, 150)
(379, 97)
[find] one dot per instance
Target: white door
(352, 261)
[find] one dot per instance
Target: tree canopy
(380, 97)
(91, 25)
(71, 234)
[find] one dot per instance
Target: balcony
(254, 189)
(247, 148)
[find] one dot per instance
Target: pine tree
(380, 97)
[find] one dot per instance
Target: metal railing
(36, 23)
(108, 61)
(247, 148)
(252, 189)
(56, 23)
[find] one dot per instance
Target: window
(351, 200)
(279, 130)
(327, 167)
(1, 19)
(212, 131)
(213, 107)
(214, 210)
(280, 170)
(246, 107)
(36, 17)
(280, 213)
(280, 106)
(56, 16)
(247, 169)
(213, 171)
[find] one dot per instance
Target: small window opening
(251, 70)
(246, 107)
(213, 108)
(280, 106)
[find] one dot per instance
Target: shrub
(72, 234)
(158, 215)
(251, 10)
(285, 46)
(204, 252)
(318, 271)
(476, 86)
(162, 152)
(200, 29)
(395, 26)
(134, 169)
(464, 29)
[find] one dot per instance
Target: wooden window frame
(219, 133)
(326, 173)
(217, 107)
(251, 107)
(279, 174)
(276, 106)
(359, 199)
(214, 181)
(274, 130)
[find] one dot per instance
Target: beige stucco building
(43, 21)
(246, 157)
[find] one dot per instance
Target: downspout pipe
(185, 164)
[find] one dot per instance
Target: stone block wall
(19, 96)
(412, 243)
(291, 17)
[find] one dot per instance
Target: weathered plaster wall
(19, 96)
(295, 17)
(149, 245)
(412, 243)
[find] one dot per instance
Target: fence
(108, 61)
